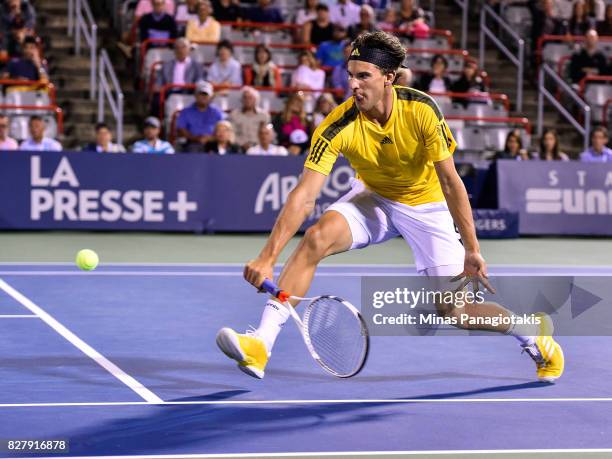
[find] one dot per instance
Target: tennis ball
(87, 259)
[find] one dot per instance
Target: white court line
(109, 366)
(18, 316)
(316, 402)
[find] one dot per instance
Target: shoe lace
(535, 354)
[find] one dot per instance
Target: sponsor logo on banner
(61, 198)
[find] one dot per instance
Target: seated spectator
(222, 142)
(298, 143)
(264, 70)
(146, 7)
(186, 12)
(13, 43)
(403, 77)
(325, 104)
(589, 60)
(469, 81)
(308, 75)
(580, 22)
(21, 9)
(264, 12)
(408, 12)
(598, 152)
(513, 148)
(37, 140)
(330, 52)
(197, 122)
(225, 70)
(182, 69)
(204, 27)
(344, 13)
(339, 78)
(265, 147)
(308, 13)
(549, 147)
(367, 22)
(227, 10)
(151, 142)
(158, 24)
(320, 29)
(6, 142)
(104, 141)
(246, 120)
(390, 21)
(436, 80)
(596, 9)
(28, 67)
(292, 118)
(604, 28)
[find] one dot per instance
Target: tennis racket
(333, 329)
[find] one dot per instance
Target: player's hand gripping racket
(333, 329)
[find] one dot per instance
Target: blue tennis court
(122, 362)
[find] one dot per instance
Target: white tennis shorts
(428, 229)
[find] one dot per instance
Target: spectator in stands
(264, 12)
(408, 12)
(182, 69)
(104, 141)
(390, 21)
(147, 7)
(298, 143)
(325, 104)
(18, 9)
(513, 148)
(197, 122)
(367, 22)
(222, 142)
(589, 60)
(227, 10)
(151, 142)
(158, 24)
(265, 147)
(225, 70)
(469, 81)
(580, 22)
(204, 27)
(436, 80)
(604, 28)
(549, 147)
(598, 151)
(339, 78)
(345, 13)
(403, 77)
(545, 22)
(264, 70)
(28, 67)
(330, 53)
(308, 75)
(6, 142)
(14, 42)
(247, 119)
(292, 118)
(595, 9)
(320, 29)
(37, 140)
(308, 13)
(186, 11)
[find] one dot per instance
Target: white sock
(273, 318)
(525, 333)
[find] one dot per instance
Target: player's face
(367, 84)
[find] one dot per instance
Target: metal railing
(518, 60)
(109, 84)
(584, 129)
(85, 25)
(465, 6)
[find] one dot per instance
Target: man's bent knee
(331, 234)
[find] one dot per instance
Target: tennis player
(397, 141)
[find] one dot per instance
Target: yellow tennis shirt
(395, 160)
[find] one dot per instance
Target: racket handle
(273, 290)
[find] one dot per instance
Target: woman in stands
(308, 13)
(264, 70)
(580, 22)
(436, 81)
(604, 28)
(513, 148)
(469, 81)
(223, 140)
(549, 147)
(325, 104)
(308, 75)
(292, 118)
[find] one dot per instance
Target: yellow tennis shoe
(546, 352)
(247, 349)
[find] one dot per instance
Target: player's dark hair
(36, 118)
(102, 126)
(385, 42)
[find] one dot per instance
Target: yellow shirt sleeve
(323, 153)
(439, 141)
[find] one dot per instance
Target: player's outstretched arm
(300, 204)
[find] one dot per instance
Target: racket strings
(336, 335)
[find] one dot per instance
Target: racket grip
(273, 290)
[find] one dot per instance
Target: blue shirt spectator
(339, 79)
(225, 69)
(196, 123)
(598, 152)
(152, 143)
(330, 53)
(264, 12)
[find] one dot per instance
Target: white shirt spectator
(228, 73)
(146, 7)
(272, 150)
(112, 148)
(47, 144)
(303, 16)
(344, 14)
(160, 146)
(9, 144)
(183, 15)
(305, 77)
